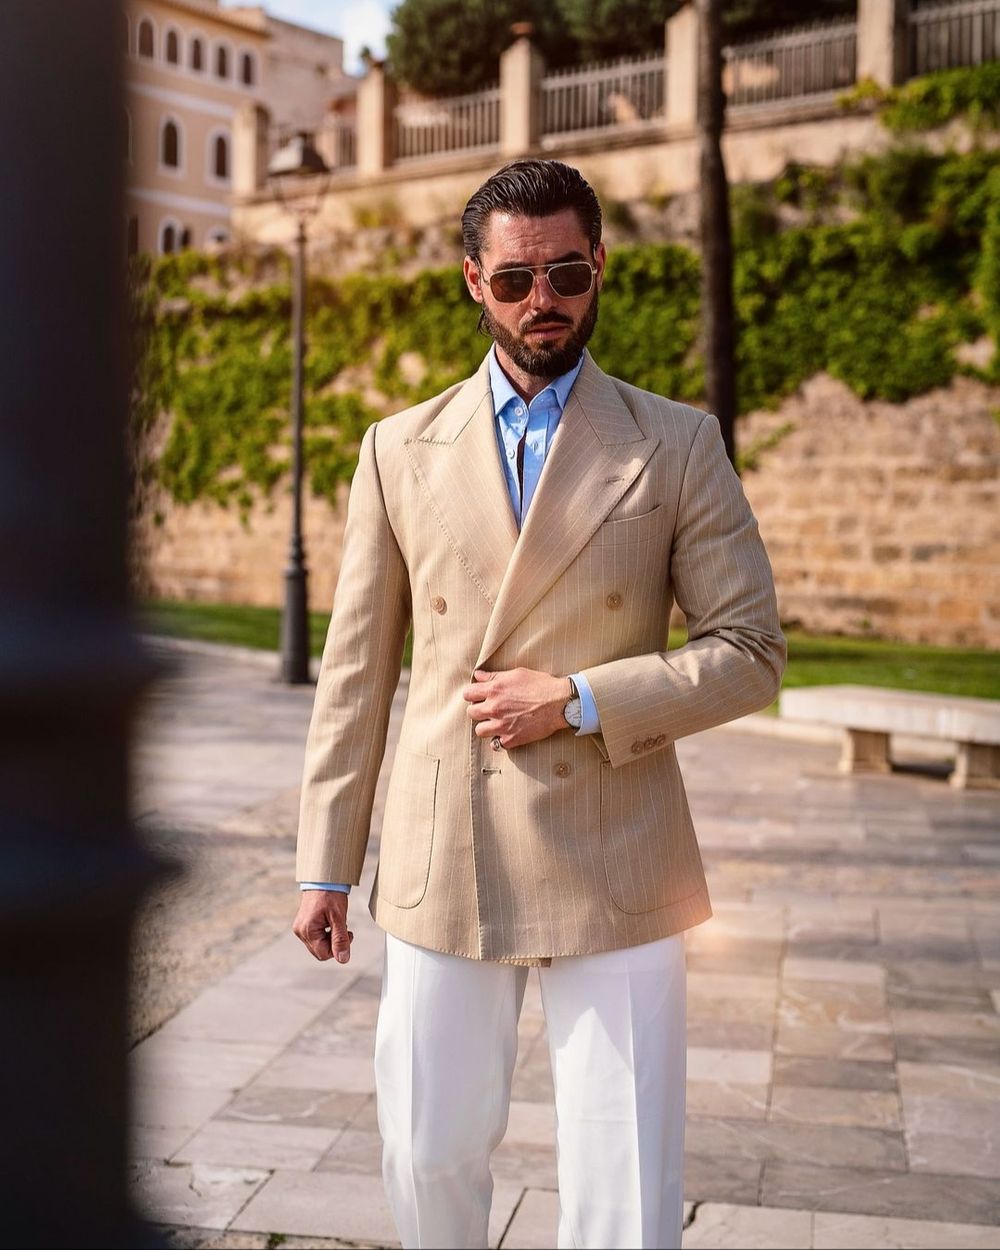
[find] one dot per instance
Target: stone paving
(844, 1036)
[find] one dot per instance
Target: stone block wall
(883, 518)
(879, 518)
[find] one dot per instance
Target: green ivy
(880, 302)
(933, 100)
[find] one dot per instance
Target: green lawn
(812, 661)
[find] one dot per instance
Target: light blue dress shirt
(514, 416)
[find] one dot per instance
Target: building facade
(191, 67)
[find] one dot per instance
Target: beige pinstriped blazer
(571, 845)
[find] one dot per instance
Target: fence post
(681, 66)
(882, 41)
(521, 70)
(250, 130)
(376, 104)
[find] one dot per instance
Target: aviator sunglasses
(568, 278)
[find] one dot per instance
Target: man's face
(544, 333)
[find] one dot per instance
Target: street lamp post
(299, 176)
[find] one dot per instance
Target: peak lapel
(457, 462)
(597, 453)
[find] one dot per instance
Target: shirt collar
(503, 391)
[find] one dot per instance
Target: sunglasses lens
(573, 278)
(510, 286)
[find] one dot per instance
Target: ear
(473, 278)
(600, 260)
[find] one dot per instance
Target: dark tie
(520, 471)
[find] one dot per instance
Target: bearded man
(534, 524)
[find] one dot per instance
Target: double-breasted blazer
(574, 844)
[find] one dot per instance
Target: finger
(475, 694)
(317, 941)
(340, 943)
(490, 729)
(479, 711)
(481, 674)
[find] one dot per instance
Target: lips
(549, 329)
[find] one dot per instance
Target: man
(535, 524)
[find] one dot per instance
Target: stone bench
(870, 715)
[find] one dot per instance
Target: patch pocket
(408, 828)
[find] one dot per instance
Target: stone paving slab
(843, 1017)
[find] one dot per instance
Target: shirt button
(614, 600)
(519, 411)
(438, 604)
(562, 769)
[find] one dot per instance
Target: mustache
(548, 320)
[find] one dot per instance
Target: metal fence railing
(609, 94)
(791, 65)
(949, 35)
(423, 128)
(341, 142)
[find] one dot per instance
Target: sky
(357, 22)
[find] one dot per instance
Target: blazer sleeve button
(636, 747)
(660, 739)
(438, 604)
(649, 743)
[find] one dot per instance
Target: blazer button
(636, 747)
(614, 600)
(562, 769)
(438, 604)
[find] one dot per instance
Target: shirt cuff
(324, 885)
(591, 722)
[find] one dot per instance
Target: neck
(527, 385)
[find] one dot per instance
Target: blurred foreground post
(716, 233)
(70, 668)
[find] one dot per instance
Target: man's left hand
(518, 705)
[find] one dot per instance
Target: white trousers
(445, 1047)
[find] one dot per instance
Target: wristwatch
(573, 711)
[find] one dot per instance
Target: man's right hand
(321, 923)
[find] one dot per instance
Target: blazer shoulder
(657, 416)
(393, 431)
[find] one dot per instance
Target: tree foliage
(442, 47)
(446, 47)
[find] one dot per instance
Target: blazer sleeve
(358, 676)
(735, 654)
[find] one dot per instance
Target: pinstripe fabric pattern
(570, 845)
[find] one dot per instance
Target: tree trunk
(716, 235)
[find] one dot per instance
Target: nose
(542, 297)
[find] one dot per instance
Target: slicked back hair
(530, 188)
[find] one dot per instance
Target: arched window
(197, 56)
(146, 38)
(221, 61)
(173, 48)
(185, 239)
(170, 144)
(217, 235)
(127, 137)
(220, 156)
(132, 236)
(248, 74)
(169, 231)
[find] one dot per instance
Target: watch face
(573, 712)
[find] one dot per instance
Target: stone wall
(883, 518)
(879, 518)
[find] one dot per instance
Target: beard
(544, 361)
